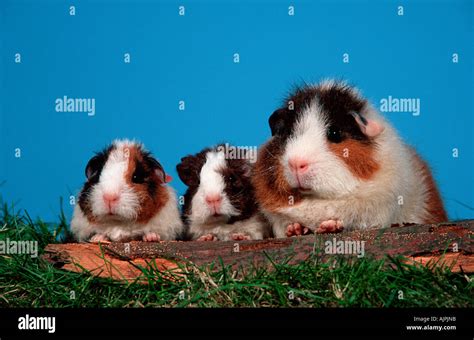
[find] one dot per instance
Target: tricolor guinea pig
(219, 203)
(126, 197)
(333, 162)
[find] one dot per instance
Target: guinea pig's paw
(102, 238)
(207, 237)
(151, 237)
(240, 237)
(296, 229)
(330, 226)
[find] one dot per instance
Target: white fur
(255, 227)
(167, 223)
(337, 194)
(327, 175)
(112, 181)
(203, 222)
(211, 183)
(122, 225)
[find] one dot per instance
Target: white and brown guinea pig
(333, 162)
(126, 198)
(219, 203)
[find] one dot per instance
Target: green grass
(27, 282)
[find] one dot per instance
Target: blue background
(190, 58)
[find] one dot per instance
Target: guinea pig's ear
(186, 170)
(245, 162)
(369, 127)
(158, 169)
(277, 122)
(242, 166)
(95, 165)
(247, 169)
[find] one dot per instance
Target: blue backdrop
(139, 59)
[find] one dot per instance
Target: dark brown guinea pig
(219, 203)
(334, 162)
(126, 198)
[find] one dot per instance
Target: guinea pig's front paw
(102, 238)
(207, 237)
(296, 229)
(151, 237)
(240, 237)
(330, 226)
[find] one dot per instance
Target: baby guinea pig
(126, 198)
(333, 162)
(219, 203)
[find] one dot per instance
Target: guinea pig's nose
(213, 199)
(298, 165)
(110, 198)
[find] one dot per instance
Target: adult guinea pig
(126, 198)
(333, 162)
(219, 203)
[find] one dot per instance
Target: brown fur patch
(271, 188)
(358, 156)
(151, 193)
(435, 207)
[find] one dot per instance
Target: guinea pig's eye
(139, 175)
(334, 135)
(230, 179)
